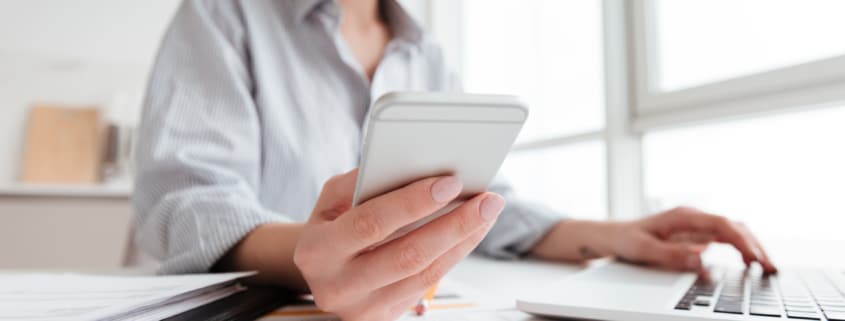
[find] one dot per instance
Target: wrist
(269, 250)
(595, 239)
(578, 240)
(607, 236)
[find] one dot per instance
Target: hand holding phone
(355, 281)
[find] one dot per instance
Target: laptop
(619, 291)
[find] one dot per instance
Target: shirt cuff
(202, 235)
(520, 226)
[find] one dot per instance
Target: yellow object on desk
(423, 304)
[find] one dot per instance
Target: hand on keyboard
(676, 238)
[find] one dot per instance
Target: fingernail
(446, 189)
(693, 262)
(491, 207)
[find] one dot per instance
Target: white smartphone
(410, 136)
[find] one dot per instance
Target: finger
(653, 251)
(731, 234)
(723, 229)
(336, 196)
(411, 286)
(767, 264)
(415, 251)
(406, 305)
(373, 221)
(702, 238)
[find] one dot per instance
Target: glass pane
(784, 175)
(569, 179)
(549, 52)
(705, 41)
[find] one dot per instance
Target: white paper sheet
(171, 309)
(88, 297)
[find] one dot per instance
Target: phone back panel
(410, 136)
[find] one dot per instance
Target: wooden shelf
(117, 190)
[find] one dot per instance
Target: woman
(254, 105)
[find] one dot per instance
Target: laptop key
(808, 310)
(767, 311)
(702, 301)
(832, 303)
(832, 306)
(833, 309)
(835, 316)
(798, 302)
(803, 315)
(800, 307)
(764, 302)
(729, 308)
(683, 306)
(731, 300)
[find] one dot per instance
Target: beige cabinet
(62, 230)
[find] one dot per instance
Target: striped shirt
(252, 105)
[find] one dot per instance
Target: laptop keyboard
(808, 295)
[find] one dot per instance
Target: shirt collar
(402, 25)
(303, 8)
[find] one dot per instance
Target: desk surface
(512, 279)
(509, 280)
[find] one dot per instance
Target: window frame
(814, 83)
(634, 105)
(623, 151)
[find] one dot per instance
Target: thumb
(677, 256)
(336, 196)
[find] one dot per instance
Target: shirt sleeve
(522, 223)
(198, 153)
(519, 227)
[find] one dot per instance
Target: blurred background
(733, 106)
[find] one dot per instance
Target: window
(570, 179)
(548, 52)
(728, 96)
(699, 42)
(509, 49)
(730, 105)
(697, 60)
(784, 175)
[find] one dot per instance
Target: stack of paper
(88, 297)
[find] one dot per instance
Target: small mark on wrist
(588, 253)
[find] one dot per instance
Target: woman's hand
(355, 282)
(673, 239)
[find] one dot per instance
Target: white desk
(512, 279)
(509, 280)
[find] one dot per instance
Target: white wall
(73, 52)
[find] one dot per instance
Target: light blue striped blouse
(252, 105)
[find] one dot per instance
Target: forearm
(577, 240)
(268, 249)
